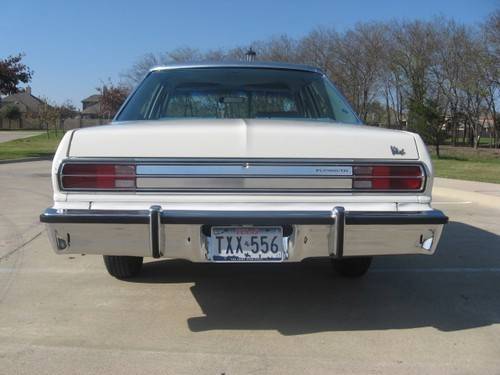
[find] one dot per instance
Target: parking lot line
(439, 270)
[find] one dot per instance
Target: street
(410, 314)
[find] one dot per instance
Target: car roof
(240, 64)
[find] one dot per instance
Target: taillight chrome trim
(138, 162)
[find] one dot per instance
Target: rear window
(236, 93)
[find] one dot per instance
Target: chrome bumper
(183, 233)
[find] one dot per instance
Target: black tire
(123, 267)
(352, 267)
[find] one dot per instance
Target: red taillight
(388, 177)
(98, 176)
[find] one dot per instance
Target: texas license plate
(246, 244)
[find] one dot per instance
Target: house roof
(24, 100)
(92, 99)
(94, 109)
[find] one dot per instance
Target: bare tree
(48, 116)
(318, 48)
(491, 39)
(278, 48)
(138, 70)
(437, 76)
(112, 97)
(360, 57)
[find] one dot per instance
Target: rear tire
(352, 267)
(123, 267)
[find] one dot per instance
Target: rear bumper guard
(338, 219)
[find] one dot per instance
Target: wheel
(122, 267)
(352, 267)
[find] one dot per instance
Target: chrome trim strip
(232, 183)
(70, 141)
(239, 161)
(255, 65)
(245, 169)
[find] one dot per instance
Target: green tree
(12, 73)
(426, 118)
(10, 112)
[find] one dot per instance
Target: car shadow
(456, 289)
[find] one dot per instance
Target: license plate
(246, 244)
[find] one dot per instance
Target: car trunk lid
(238, 138)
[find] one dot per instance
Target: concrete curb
(485, 200)
(25, 160)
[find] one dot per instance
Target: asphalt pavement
(409, 315)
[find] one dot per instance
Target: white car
(250, 162)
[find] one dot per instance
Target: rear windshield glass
(236, 93)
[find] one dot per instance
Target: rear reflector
(98, 176)
(388, 177)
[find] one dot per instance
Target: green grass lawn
(468, 164)
(37, 146)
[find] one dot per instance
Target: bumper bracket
(154, 230)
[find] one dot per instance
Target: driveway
(6, 136)
(409, 315)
